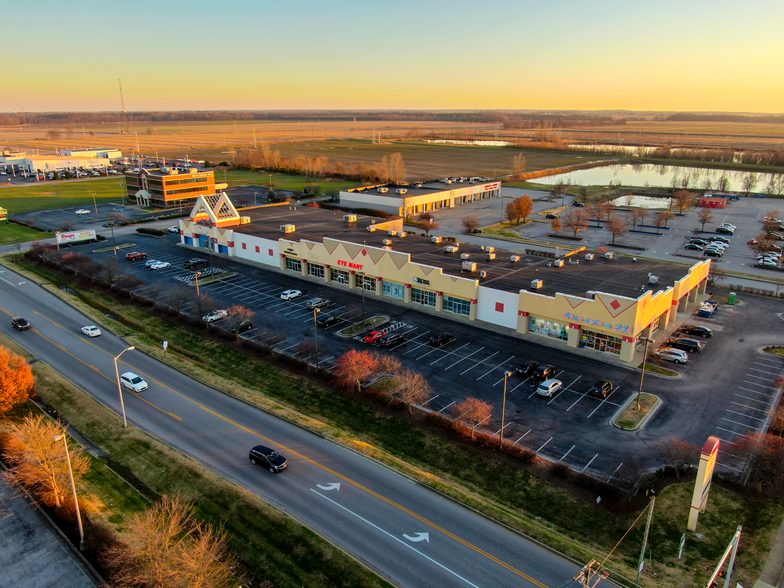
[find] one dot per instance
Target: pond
(668, 176)
(635, 201)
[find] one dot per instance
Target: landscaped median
(373, 321)
(637, 411)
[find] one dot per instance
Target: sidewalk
(772, 572)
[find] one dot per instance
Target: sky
(662, 55)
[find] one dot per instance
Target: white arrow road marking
(415, 550)
(417, 537)
(333, 486)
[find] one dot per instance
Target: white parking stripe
(602, 403)
(523, 435)
(447, 406)
(495, 368)
(590, 462)
(753, 391)
(736, 422)
(461, 359)
(763, 371)
(733, 432)
(480, 363)
(750, 407)
(615, 472)
(450, 353)
(759, 385)
(543, 444)
(750, 398)
(745, 415)
(568, 452)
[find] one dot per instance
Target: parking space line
(505, 426)
(428, 353)
(737, 423)
(763, 371)
(750, 398)
(543, 444)
(450, 353)
(480, 363)
(496, 367)
(568, 452)
(753, 391)
(749, 407)
(745, 415)
(607, 400)
(466, 357)
(731, 431)
(447, 406)
(581, 396)
(520, 384)
(590, 462)
(615, 472)
(523, 435)
(759, 385)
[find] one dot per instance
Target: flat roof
(576, 278)
(414, 189)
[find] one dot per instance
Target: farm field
(11, 233)
(237, 177)
(45, 195)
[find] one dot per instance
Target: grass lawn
(483, 480)
(279, 181)
(46, 195)
(631, 417)
(657, 369)
(11, 233)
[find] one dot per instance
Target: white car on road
(82, 211)
(290, 294)
(91, 331)
(159, 265)
(133, 382)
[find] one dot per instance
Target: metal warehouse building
(583, 299)
(406, 200)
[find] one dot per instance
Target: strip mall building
(582, 299)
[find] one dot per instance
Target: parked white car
(215, 315)
(549, 387)
(91, 331)
(673, 355)
(290, 294)
(82, 211)
(159, 265)
(133, 382)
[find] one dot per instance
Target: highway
(409, 534)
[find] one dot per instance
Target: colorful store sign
(597, 323)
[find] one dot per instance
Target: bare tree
(629, 200)
(576, 219)
(617, 227)
(68, 225)
(595, 211)
(519, 163)
(470, 223)
(414, 388)
(16, 380)
(474, 411)
(765, 454)
(677, 453)
(683, 199)
(179, 297)
(662, 218)
(511, 212)
(705, 215)
(387, 364)
(749, 181)
(608, 208)
(723, 183)
(556, 225)
(429, 223)
(237, 313)
(637, 215)
(117, 217)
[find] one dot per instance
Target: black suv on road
(194, 263)
(269, 458)
(20, 324)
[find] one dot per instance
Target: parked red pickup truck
(134, 255)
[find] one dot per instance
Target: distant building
(168, 188)
(99, 152)
(20, 162)
(412, 199)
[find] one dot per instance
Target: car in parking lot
(526, 368)
(82, 211)
(714, 250)
(712, 253)
(269, 458)
(20, 324)
(602, 388)
(327, 320)
(134, 255)
(195, 262)
(673, 355)
(317, 303)
(374, 336)
(175, 230)
(768, 263)
(391, 340)
(694, 247)
(719, 238)
(725, 231)
(290, 294)
(549, 387)
(543, 371)
(149, 262)
(441, 339)
(690, 345)
(244, 325)
(550, 215)
(769, 247)
(133, 382)
(728, 226)
(215, 315)
(159, 265)
(91, 331)
(699, 330)
(696, 241)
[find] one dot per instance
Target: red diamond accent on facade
(615, 304)
(364, 252)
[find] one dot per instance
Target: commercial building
(20, 162)
(93, 152)
(593, 300)
(167, 187)
(411, 199)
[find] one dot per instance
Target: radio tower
(122, 102)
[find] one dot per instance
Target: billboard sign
(68, 237)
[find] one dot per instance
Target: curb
(644, 420)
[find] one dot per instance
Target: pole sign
(3, 215)
(702, 484)
(165, 345)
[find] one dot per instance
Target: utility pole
(122, 102)
(641, 563)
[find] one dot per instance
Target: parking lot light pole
(315, 334)
(503, 410)
(119, 388)
(198, 294)
(95, 204)
(73, 489)
(642, 375)
(362, 287)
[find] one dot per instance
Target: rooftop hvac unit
(653, 279)
(450, 249)
(482, 248)
(401, 234)
(402, 190)
(371, 228)
(609, 255)
(350, 218)
(592, 294)
(287, 228)
(558, 263)
(482, 274)
(417, 185)
(514, 258)
(536, 284)
(387, 248)
(435, 239)
(465, 255)
(589, 257)
(489, 249)
(244, 220)
(194, 170)
(391, 233)
(469, 266)
(383, 190)
(386, 242)
(490, 256)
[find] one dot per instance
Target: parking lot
(572, 426)
(59, 218)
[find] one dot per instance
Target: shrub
(560, 469)
(148, 231)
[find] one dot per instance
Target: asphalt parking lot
(58, 218)
(713, 396)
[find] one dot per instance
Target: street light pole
(503, 410)
(198, 294)
(642, 375)
(73, 489)
(315, 334)
(119, 388)
(95, 204)
(362, 287)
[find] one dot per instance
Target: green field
(279, 181)
(11, 233)
(43, 196)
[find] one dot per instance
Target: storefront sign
(597, 323)
(290, 251)
(421, 281)
(350, 264)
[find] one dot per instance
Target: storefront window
(339, 276)
(601, 342)
(457, 305)
(294, 265)
(423, 297)
(394, 290)
(548, 328)
(316, 270)
(368, 283)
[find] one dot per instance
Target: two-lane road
(408, 533)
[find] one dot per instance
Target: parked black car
(525, 369)
(602, 388)
(698, 330)
(391, 340)
(550, 215)
(262, 455)
(327, 320)
(690, 345)
(194, 263)
(245, 325)
(20, 324)
(441, 339)
(543, 372)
